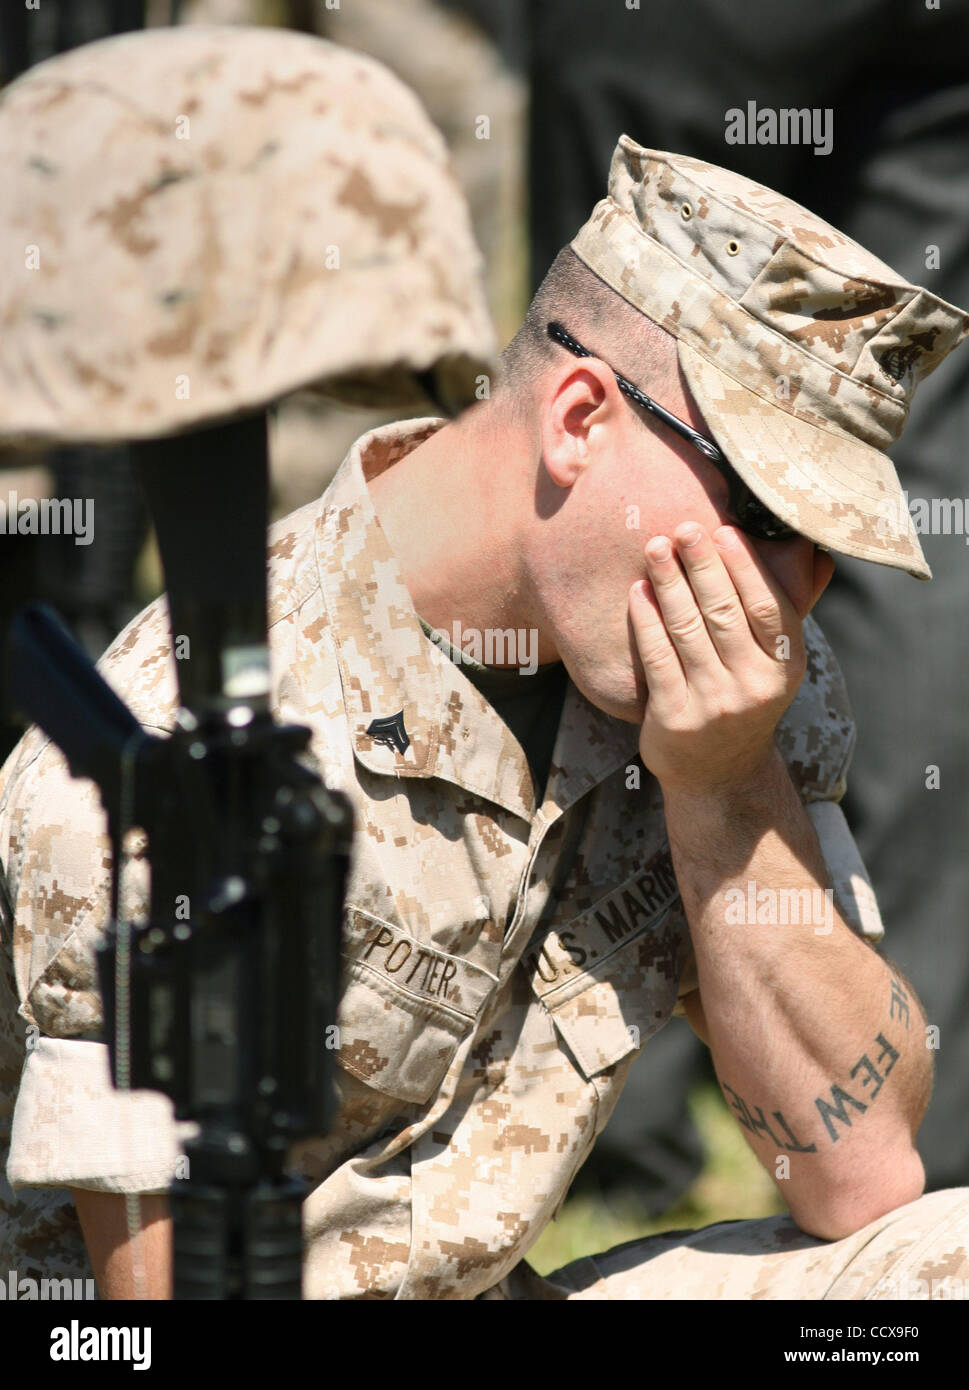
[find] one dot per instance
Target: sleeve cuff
(853, 892)
(71, 1128)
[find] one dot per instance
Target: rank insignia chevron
(390, 730)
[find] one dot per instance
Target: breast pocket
(405, 1007)
(610, 977)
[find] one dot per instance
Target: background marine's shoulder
(817, 734)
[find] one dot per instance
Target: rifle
(224, 996)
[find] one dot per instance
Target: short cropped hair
(600, 319)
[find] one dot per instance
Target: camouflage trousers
(919, 1251)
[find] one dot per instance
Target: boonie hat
(802, 350)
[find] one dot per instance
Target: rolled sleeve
(71, 1128)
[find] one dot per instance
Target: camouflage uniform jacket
(504, 962)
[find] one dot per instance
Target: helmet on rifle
(198, 221)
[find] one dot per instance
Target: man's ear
(580, 402)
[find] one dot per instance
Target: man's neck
(451, 516)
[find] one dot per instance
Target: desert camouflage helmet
(198, 221)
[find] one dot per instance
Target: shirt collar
(431, 721)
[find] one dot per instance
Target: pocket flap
(610, 978)
(405, 1007)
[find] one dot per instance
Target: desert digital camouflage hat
(802, 350)
(197, 221)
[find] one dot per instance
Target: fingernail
(725, 537)
(659, 548)
(690, 537)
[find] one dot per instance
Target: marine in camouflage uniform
(507, 956)
(506, 962)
